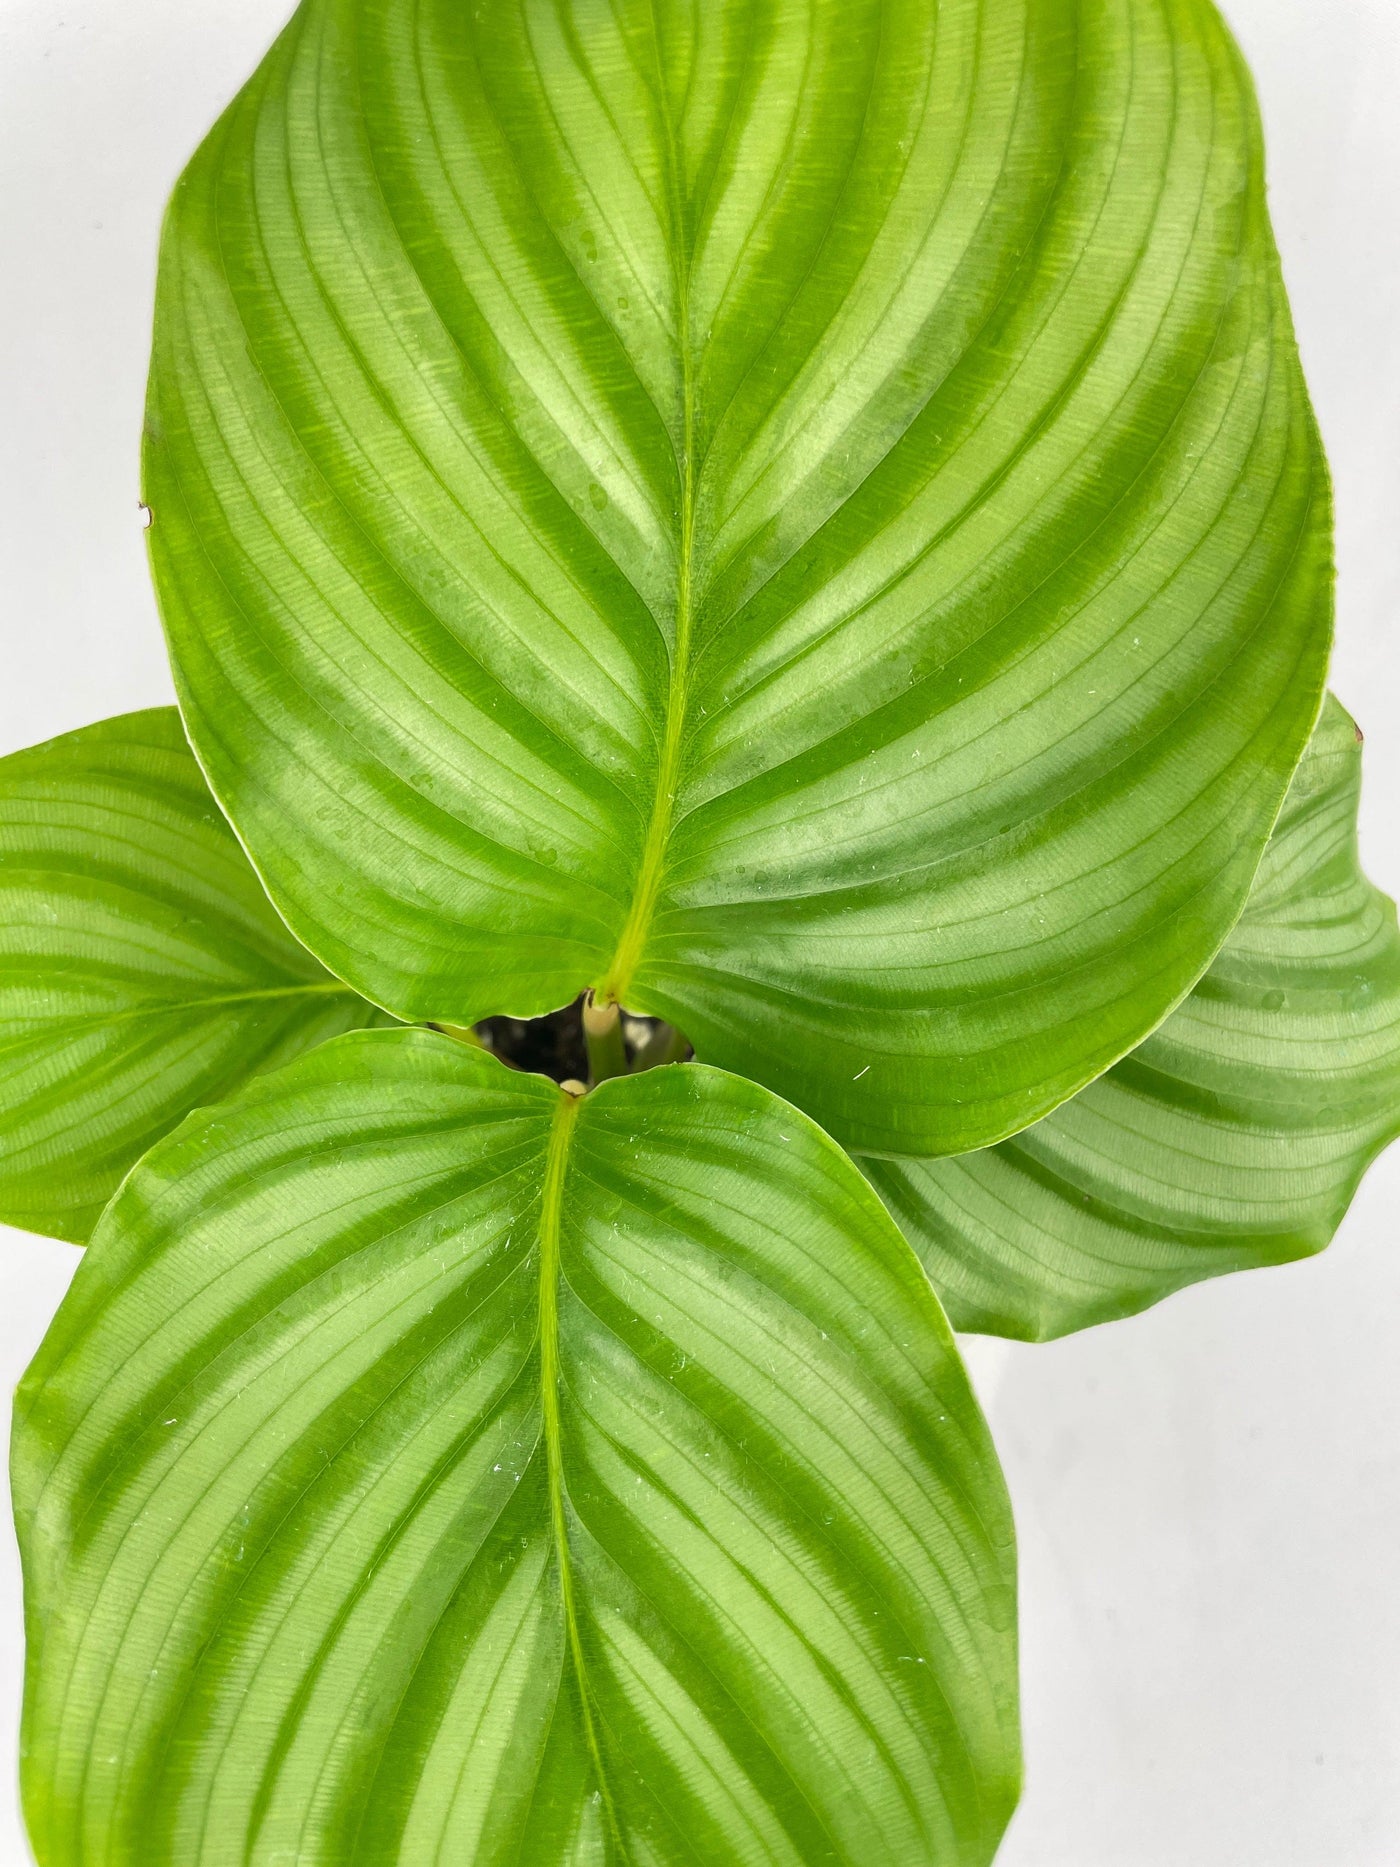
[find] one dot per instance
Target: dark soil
(553, 1045)
(549, 1046)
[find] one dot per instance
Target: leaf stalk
(602, 1034)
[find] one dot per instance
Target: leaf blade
(1234, 1138)
(844, 569)
(292, 1532)
(142, 968)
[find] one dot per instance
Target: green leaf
(804, 518)
(142, 968)
(1234, 1137)
(428, 1466)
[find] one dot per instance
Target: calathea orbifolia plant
(800, 521)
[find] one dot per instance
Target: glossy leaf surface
(142, 968)
(429, 1467)
(802, 516)
(1234, 1137)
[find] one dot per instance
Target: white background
(1208, 1497)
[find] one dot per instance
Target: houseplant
(842, 1106)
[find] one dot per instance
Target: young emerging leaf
(1235, 1136)
(804, 518)
(429, 1466)
(142, 968)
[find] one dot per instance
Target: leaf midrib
(633, 938)
(551, 1377)
(168, 1007)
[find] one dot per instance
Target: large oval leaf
(142, 967)
(1234, 1137)
(802, 516)
(426, 1466)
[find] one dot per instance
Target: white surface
(1208, 1496)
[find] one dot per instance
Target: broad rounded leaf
(429, 1467)
(1234, 1137)
(800, 515)
(142, 968)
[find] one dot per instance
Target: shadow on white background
(1209, 1496)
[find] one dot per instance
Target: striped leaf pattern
(142, 968)
(427, 1466)
(1234, 1137)
(801, 515)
